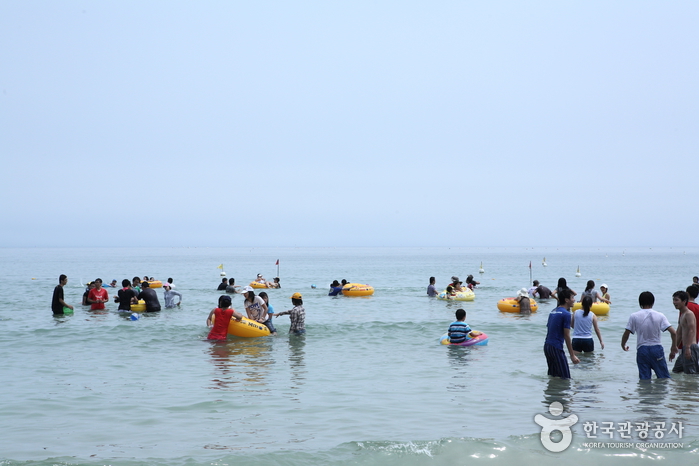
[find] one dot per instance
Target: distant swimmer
(274, 284)
(335, 288)
(58, 302)
(593, 293)
(232, 288)
(562, 285)
(222, 286)
(150, 297)
(524, 301)
(223, 313)
(471, 283)
(260, 279)
(170, 281)
(113, 283)
(169, 296)
(431, 289)
(88, 288)
(540, 291)
(695, 281)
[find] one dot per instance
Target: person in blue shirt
(459, 331)
(557, 334)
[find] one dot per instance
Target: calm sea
(368, 384)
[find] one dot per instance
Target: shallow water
(368, 384)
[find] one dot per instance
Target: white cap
(248, 288)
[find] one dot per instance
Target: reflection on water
(560, 390)
(242, 364)
(683, 395)
(297, 353)
(459, 357)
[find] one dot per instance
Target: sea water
(368, 384)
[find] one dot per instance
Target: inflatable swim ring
(357, 289)
(510, 305)
(255, 284)
(599, 308)
(155, 284)
(466, 295)
(246, 328)
(140, 307)
(478, 340)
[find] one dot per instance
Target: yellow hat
(296, 296)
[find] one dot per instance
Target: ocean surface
(369, 384)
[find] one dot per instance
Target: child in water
(459, 331)
(270, 313)
(223, 314)
(297, 315)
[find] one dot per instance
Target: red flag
(530, 264)
(278, 263)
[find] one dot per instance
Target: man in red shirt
(97, 296)
(693, 292)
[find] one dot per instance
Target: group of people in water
(647, 324)
(258, 309)
(228, 284)
(130, 293)
(456, 286)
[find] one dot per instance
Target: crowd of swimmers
(228, 284)
(131, 291)
(456, 286)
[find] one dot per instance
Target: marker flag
(530, 264)
(220, 267)
(277, 262)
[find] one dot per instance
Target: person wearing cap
(169, 295)
(113, 284)
(335, 288)
(604, 292)
(524, 301)
(297, 315)
(274, 284)
(261, 279)
(593, 293)
(150, 297)
(223, 315)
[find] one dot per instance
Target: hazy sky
(363, 123)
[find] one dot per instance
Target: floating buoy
(543, 262)
(134, 316)
(578, 274)
(223, 274)
(481, 270)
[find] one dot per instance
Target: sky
(364, 123)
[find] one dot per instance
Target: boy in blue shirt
(559, 333)
(459, 331)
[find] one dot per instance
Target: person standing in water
(97, 296)
(297, 315)
(583, 321)
(558, 334)
(58, 302)
(220, 317)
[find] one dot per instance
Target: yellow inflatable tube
(511, 305)
(465, 295)
(599, 308)
(357, 289)
(155, 284)
(246, 328)
(254, 284)
(140, 307)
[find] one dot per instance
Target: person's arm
(208, 319)
(673, 336)
(236, 315)
(572, 320)
(624, 339)
(691, 329)
(178, 294)
(64, 304)
(600, 298)
(599, 334)
(569, 344)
